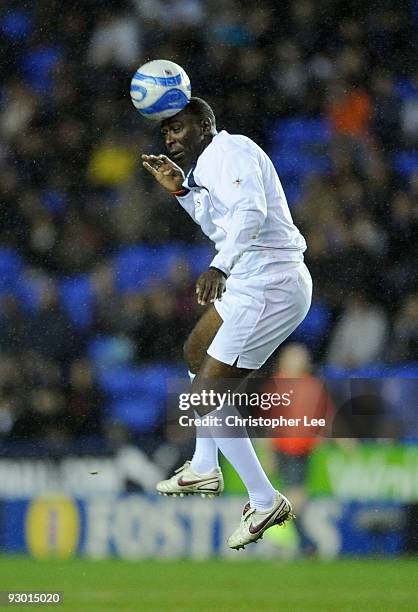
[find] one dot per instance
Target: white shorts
(259, 311)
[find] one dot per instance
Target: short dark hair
(200, 109)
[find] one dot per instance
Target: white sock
(205, 457)
(241, 454)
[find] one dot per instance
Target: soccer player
(257, 285)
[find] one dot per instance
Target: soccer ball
(160, 89)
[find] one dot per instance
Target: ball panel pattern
(160, 89)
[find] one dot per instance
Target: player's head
(200, 110)
(189, 132)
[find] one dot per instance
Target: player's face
(184, 137)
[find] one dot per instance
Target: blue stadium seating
(138, 268)
(55, 200)
(315, 326)
(299, 148)
(27, 293)
(110, 351)
(169, 255)
(141, 415)
(128, 381)
(301, 131)
(38, 68)
(293, 189)
(10, 269)
(135, 267)
(199, 258)
(137, 395)
(15, 24)
(298, 162)
(406, 162)
(77, 298)
(379, 370)
(122, 382)
(404, 87)
(405, 370)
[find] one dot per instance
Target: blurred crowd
(73, 194)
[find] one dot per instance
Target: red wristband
(181, 192)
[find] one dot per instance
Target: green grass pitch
(199, 586)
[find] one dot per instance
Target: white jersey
(237, 199)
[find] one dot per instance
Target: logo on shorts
(237, 182)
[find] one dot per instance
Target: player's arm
(243, 194)
(210, 286)
(168, 174)
(239, 186)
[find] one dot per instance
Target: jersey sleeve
(240, 188)
(187, 202)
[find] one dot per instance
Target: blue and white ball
(160, 89)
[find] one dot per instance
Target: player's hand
(210, 286)
(166, 172)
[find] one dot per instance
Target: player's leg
(205, 457)
(200, 338)
(201, 475)
(267, 506)
(237, 449)
(259, 313)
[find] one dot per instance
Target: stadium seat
(299, 149)
(10, 269)
(406, 162)
(128, 381)
(137, 395)
(138, 268)
(141, 415)
(199, 258)
(165, 258)
(300, 131)
(333, 372)
(378, 370)
(77, 299)
(107, 352)
(169, 254)
(296, 164)
(406, 370)
(122, 382)
(404, 87)
(375, 370)
(315, 326)
(366, 371)
(135, 267)
(293, 188)
(38, 68)
(27, 293)
(55, 201)
(16, 24)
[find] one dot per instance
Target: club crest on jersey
(237, 182)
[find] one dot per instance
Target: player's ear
(206, 126)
